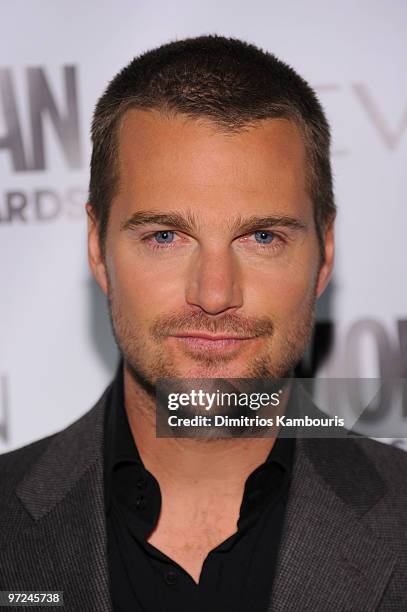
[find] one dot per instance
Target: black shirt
(236, 576)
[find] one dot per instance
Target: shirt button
(141, 503)
(170, 578)
(141, 483)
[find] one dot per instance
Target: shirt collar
(120, 447)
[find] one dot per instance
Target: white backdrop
(56, 351)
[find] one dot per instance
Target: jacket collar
(329, 558)
(327, 552)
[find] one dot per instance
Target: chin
(215, 370)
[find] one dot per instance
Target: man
(211, 221)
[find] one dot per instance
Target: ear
(325, 270)
(95, 256)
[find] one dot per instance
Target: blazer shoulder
(14, 467)
(390, 461)
(14, 463)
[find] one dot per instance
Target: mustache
(170, 324)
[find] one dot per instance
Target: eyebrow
(188, 223)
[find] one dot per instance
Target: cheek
(282, 291)
(143, 289)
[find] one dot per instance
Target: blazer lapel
(329, 559)
(62, 545)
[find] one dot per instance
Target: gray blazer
(344, 546)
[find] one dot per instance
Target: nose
(214, 282)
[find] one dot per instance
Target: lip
(212, 337)
(210, 342)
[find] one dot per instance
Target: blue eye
(264, 237)
(164, 237)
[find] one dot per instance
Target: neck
(196, 465)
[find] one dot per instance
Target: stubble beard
(147, 360)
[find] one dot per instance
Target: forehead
(176, 160)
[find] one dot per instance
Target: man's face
(212, 263)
